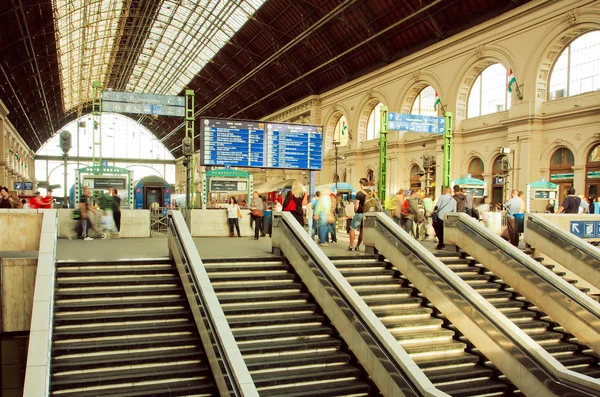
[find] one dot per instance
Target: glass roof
(184, 37)
(85, 36)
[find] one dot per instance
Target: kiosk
(540, 194)
(221, 184)
(475, 187)
(100, 178)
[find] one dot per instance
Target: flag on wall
(511, 80)
(437, 101)
(344, 129)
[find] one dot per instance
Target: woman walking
(233, 214)
(295, 200)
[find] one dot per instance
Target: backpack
(475, 212)
(461, 203)
(421, 212)
(372, 203)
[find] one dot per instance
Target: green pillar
(96, 123)
(383, 146)
(189, 132)
(447, 149)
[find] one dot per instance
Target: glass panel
(475, 167)
(594, 155)
(374, 122)
(340, 131)
(424, 103)
(585, 64)
(568, 157)
(494, 91)
(497, 168)
(413, 172)
(557, 158)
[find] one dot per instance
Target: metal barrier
(159, 220)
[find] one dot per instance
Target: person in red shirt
(48, 200)
(36, 201)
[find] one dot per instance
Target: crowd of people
(11, 200)
(108, 206)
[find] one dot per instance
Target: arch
(367, 105)
(476, 168)
(481, 59)
(592, 171)
(337, 111)
(335, 178)
(496, 165)
(344, 176)
(370, 174)
(414, 178)
(489, 89)
(554, 41)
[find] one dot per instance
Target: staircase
(287, 343)
(448, 360)
(125, 329)
(547, 333)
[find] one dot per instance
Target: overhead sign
(132, 102)
(238, 143)
(416, 123)
(585, 229)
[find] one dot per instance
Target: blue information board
(239, 143)
(585, 229)
(416, 123)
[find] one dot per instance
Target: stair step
(104, 331)
(475, 388)
(291, 375)
(406, 312)
(242, 335)
(250, 267)
(132, 375)
(325, 389)
(263, 297)
(438, 347)
(120, 359)
(425, 336)
(244, 277)
(428, 364)
(102, 346)
(299, 344)
(129, 316)
(262, 286)
(115, 292)
(115, 271)
(444, 375)
(150, 301)
(297, 359)
(274, 308)
(289, 319)
(71, 282)
(184, 387)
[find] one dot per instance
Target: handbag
(257, 213)
(239, 213)
(330, 218)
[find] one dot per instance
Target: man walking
(443, 206)
(512, 206)
(359, 209)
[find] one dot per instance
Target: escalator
(125, 329)
(449, 360)
(288, 344)
(547, 333)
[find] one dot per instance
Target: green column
(189, 132)
(447, 149)
(96, 123)
(383, 146)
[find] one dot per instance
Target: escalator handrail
(387, 344)
(567, 238)
(226, 349)
(550, 279)
(524, 343)
(39, 353)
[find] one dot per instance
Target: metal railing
(495, 326)
(37, 372)
(396, 366)
(226, 362)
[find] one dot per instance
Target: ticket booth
(540, 195)
(475, 187)
(219, 185)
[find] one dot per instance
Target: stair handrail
(39, 352)
(563, 380)
(225, 359)
(586, 255)
(404, 372)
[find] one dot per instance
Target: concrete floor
(208, 247)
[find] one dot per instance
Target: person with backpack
(461, 199)
(362, 196)
(444, 205)
(412, 212)
(295, 199)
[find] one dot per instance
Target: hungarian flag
(344, 130)
(511, 80)
(437, 101)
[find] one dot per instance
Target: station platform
(208, 247)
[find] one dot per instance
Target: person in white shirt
(349, 209)
(233, 211)
(444, 205)
(484, 211)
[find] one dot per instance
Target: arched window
(424, 103)
(415, 179)
(374, 122)
(340, 131)
(592, 172)
(577, 69)
(561, 170)
(336, 178)
(370, 175)
(476, 168)
(499, 171)
(489, 93)
(344, 175)
(499, 166)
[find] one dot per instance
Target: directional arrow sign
(577, 228)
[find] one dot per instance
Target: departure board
(239, 143)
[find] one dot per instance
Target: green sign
(542, 194)
(561, 176)
(593, 174)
